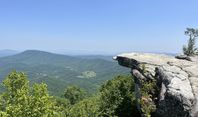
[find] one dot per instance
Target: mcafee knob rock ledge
(176, 79)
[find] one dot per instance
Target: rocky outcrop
(177, 80)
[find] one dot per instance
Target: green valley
(59, 71)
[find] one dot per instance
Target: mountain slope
(59, 71)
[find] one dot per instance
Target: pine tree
(191, 49)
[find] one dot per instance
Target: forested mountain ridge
(59, 71)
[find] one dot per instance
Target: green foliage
(191, 49)
(62, 103)
(59, 71)
(143, 67)
(86, 108)
(41, 104)
(117, 97)
(74, 94)
(147, 91)
(16, 101)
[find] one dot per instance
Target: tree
(14, 101)
(88, 107)
(190, 49)
(117, 97)
(74, 94)
(41, 104)
(17, 101)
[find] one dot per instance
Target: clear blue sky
(108, 26)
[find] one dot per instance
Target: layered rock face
(177, 80)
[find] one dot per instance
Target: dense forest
(53, 85)
(59, 71)
(115, 98)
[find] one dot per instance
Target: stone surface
(177, 78)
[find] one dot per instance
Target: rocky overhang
(177, 79)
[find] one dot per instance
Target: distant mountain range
(4, 53)
(59, 71)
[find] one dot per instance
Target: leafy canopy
(19, 101)
(74, 94)
(115, 99)
(118, 98)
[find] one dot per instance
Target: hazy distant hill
(58, 71)
(109, 58)
(4, 53)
